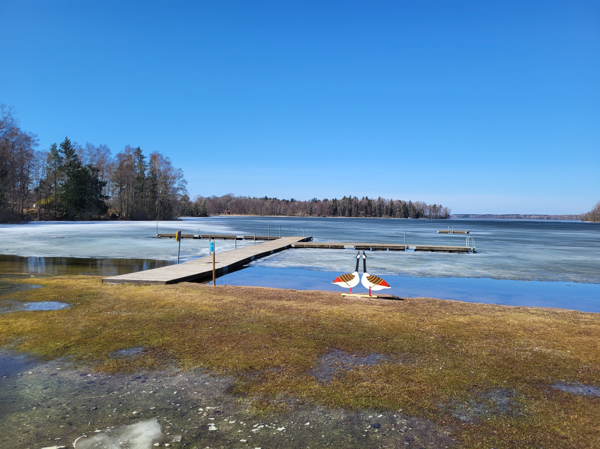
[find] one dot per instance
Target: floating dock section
(219, 237)
(386, 247)
(201, 269)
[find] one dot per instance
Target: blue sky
(486, 107)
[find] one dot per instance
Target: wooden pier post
(214, 271)
(212, 249)
(178, 238)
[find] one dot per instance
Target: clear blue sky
(486, 107)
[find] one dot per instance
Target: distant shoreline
(519, 216)
(453, 216)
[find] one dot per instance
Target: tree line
(348, 206)
(69, 181)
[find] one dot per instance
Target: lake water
(556, 258)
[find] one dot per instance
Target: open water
(554, 258)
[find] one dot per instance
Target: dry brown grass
(441, 352)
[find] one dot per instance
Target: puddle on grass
(6, 288)
(128, 352)
(11, 305)
(12, 364)
(495, 402)
(334, 361)
(578, 389)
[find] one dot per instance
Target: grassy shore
(485, 371)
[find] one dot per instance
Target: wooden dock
(228, 261)
(386, 247)
(201, 269)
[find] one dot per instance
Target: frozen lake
(517, 250)
(506, 249)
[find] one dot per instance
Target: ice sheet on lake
(117, 239)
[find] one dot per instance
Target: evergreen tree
(203, 210)
(405, 213)
(78, 190)
(139, 203)
(70, 197)
(54, 163)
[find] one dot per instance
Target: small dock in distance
(451, 230)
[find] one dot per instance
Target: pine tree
(54, 164)
(79, 190)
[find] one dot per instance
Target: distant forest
(348, 206)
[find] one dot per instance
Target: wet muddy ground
(54, 404)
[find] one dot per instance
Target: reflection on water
(76, 265)
(565, 295)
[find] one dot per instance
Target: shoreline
(183, 218)
(560, 294)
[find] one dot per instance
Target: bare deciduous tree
(16, 159)
(593, 215)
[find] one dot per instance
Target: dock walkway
(201, 269)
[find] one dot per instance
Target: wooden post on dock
(178, 238)
(212, 249)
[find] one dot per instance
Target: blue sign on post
(212, 247)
